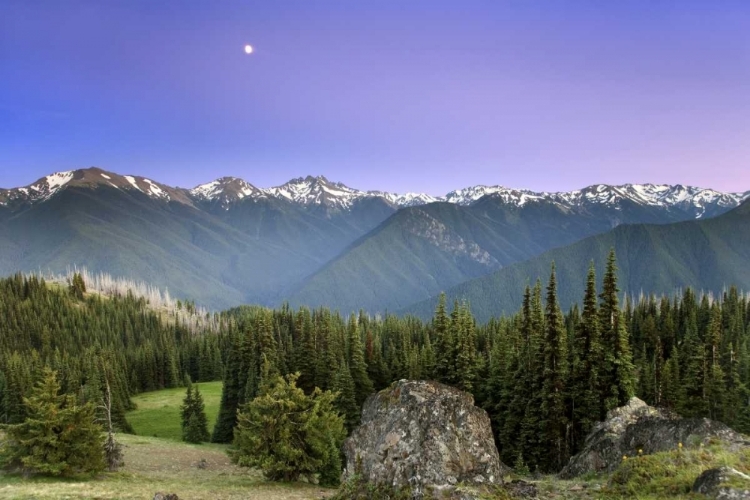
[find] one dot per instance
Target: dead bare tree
(112, 449)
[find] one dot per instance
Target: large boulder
(723, 483)
(423, 437)
(637, 428)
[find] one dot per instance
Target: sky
(425, 96)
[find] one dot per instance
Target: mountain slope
(228, 242)
(706, 255)
(192, 244)
(422, 250)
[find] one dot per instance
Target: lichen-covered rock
(423, 436)
(637, 428)
(723, 483)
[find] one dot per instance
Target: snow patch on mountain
(132, 182)
(41, 190)
(226, 191)
(319, 191)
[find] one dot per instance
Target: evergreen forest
(544, 375)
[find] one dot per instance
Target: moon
(248, 49)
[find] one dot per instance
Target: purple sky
(393, 95)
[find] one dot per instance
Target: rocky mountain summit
(639, 429)
(696, 202)
(424, 437)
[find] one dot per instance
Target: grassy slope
(160, 465)
(165, 463)
(158, 413)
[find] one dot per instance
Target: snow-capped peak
(226, 190)
(41, 190)
(317, 191)
(469, 195)
(405, 200)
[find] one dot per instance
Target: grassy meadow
(158, 412)
(163, 465)
(166, 464)
(156, 460)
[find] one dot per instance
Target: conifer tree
(466, 358)
(346, 403)
(715, 379)
(444, 343)
(693, 365)
(59, 437)
(554, 421)
(618, 379)
(288, 434)
(193, 413)
(230, 395)
(4, 403)
(588, 361)
(362, 384)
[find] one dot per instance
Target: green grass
(672, 473)
(158, 412)
(164, 463)
(161, 465)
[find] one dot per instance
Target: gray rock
(521, 489)
(723, 483)
(637, 426)
(166, 496)
(423, 436)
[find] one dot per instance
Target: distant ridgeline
(543, 375)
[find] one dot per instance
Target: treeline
(544, 376)
(91, 340)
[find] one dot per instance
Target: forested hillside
(543, 375)
(92, 340)
(311, 242)
(706, 255)
(423, 250)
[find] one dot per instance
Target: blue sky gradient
(392, 95)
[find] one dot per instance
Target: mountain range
(312, 241)
(708, 255)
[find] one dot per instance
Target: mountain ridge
(706, 254)
(318, 190)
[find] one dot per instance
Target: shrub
(288, 434)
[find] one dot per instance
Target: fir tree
(466, 359)
(444, 343)
(362, 384)
(588, 361)
(346, 403)
(59, 437)
(553, 383)
(194, 421)
(618, 379)
(288, 434)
